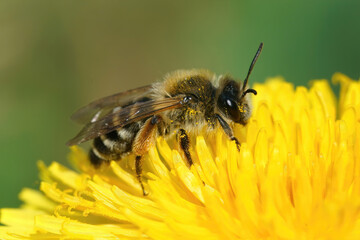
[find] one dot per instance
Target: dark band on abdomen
(113, 136)
(100, 146)
(115, 144)
(94, 159)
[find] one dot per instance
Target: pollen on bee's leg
(185, 146)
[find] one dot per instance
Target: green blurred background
(56, 56)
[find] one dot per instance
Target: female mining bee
(186, 101)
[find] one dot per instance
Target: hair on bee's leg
(185, 146)
(229, 132)
(144, 139)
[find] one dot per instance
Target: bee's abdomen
(114, 145)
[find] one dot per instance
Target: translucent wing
(98, 108)
(124, 116)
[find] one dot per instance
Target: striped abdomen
(114, 145)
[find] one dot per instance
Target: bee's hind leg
(185, 145)
(138, 169)
(144, 139)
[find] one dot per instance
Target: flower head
(295, 177)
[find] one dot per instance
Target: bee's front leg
(227, 129)
(144, 139)
(185, 146)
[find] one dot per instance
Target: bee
(185, 102)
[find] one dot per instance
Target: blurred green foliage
(58, 55)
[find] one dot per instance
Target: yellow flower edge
(295, 177)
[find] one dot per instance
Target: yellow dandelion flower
(297, 176)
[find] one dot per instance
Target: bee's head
(233, 101)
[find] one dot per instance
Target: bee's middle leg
(185, 145)
(144, 139)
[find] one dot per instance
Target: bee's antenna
(251, 68)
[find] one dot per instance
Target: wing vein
(124, 116)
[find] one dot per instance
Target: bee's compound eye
(230, 103)
(233, 110)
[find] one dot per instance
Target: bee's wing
(124, 116)
(98, 108)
